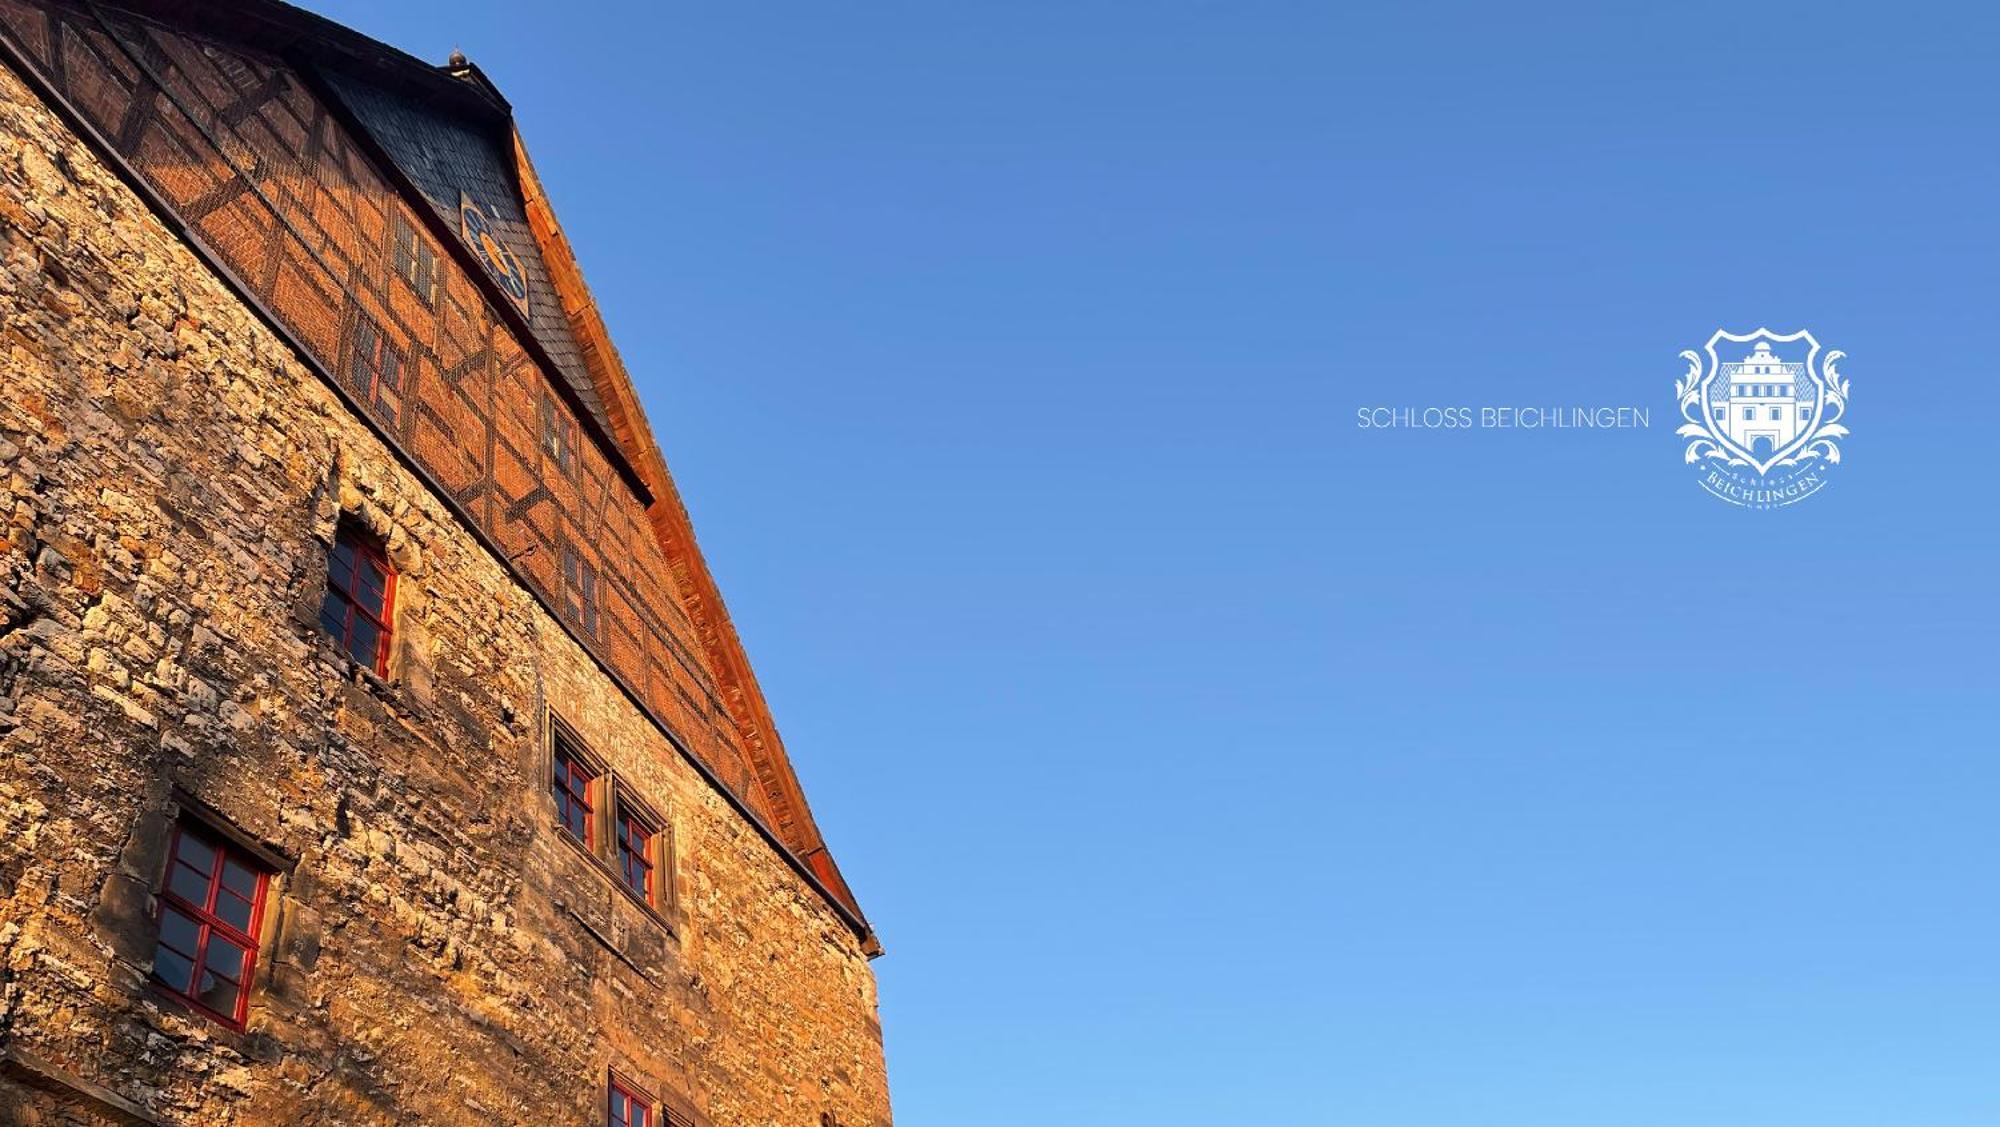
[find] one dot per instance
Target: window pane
(188, 884)
(223, 959)
(219, 994)
(361, 642)
(333, 615)
(239, 878)
(572, 776)
(340, 568)
(374, 586)
(233, 910)
(197, 853)
(173, 969)
(179, 932)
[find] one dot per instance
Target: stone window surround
(167, 898)
(366, 546)
(669, 1108)
(646, 1109)
(150, 851)
(610, 793)
(407, 663)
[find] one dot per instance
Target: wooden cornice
(721, 648)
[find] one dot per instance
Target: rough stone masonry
(434, 947)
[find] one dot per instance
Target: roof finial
(457, 58)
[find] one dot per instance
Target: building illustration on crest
(1762, 402)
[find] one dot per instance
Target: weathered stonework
(171, 475)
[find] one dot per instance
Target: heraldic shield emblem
(1762, 416)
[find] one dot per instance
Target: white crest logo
(1763, 427)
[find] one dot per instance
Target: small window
(416, 262)
(1777, 414)
(558, 436)
(375, 368)
(635, 852)
(628, 1108)
(573, 782)
(211, 906)
(360, 598)
(580, 591)
(1805, 414)
(1749, 413)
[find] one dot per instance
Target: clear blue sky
(1206, 760)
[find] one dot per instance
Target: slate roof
(444, 154)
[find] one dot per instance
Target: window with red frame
(360, 598)
(635, 853)
(573, 779)
(628, 1108)
(210, 909)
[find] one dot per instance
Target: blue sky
(1204, 759)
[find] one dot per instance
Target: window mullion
(215, 880)
(607, 814)
(203, 929)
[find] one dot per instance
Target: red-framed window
(580, 591)
(628, 1108)
(359, 608)
(635, 853)
(573, 781)
(211, 907)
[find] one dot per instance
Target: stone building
(374, 745)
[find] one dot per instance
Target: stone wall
(246, 137)
(440, 952)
